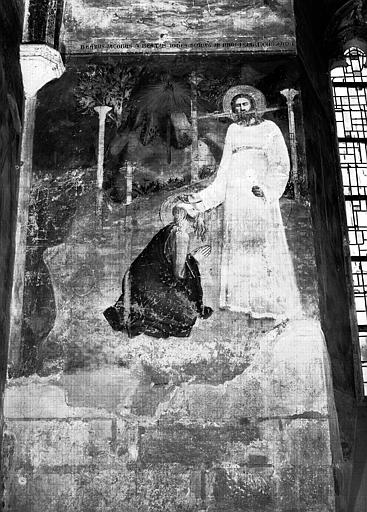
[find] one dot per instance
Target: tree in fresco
(161, 107)
(152, 109)
(142, 99)
(111, 85)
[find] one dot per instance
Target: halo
(255, 94)
(165, 211)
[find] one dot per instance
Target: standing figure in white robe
(257, 275)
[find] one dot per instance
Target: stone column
(289, 95)
(40, 64)
(25, 20)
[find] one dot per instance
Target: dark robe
(153, 300)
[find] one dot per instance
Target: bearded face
(242, 105)
(245, 111)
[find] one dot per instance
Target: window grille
(349, 84)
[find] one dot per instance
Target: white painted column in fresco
(194, 80)
(129, 182)
(40, 64)
(102, 111)
(289, 95)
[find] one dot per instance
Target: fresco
(174, 322)
(166, 140)
(171, 26)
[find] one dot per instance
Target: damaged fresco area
(88, 23)
(243, 445)
(232, 410)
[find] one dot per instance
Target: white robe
(257, 275)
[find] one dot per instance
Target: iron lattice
(349, 85)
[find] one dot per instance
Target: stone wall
(328, 212)
(239, 417)
(11, 101)
(178, 26)
(119, 438)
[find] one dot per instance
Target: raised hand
(190, 198)
(201, 252)
(257, 191)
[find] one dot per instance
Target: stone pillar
(40, 64)
(25, 20)
(289, 95)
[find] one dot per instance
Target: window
(349, 84)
